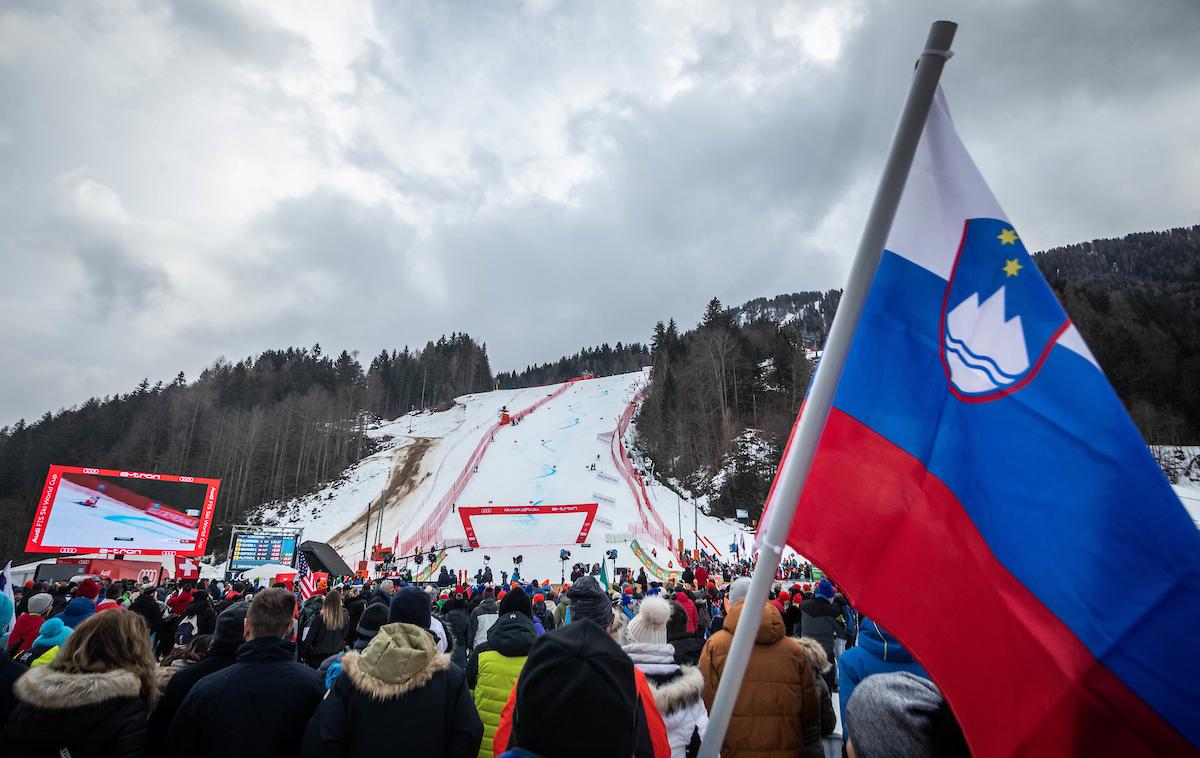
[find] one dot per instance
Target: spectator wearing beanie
(399, 686)
(51, 637)
(578, 669)
(877, 652)
(541, 612)
(689, 607)
(457, 622)
(822, 621)
(374, 616)
(678, 690)
(29, 624)
(148, 607)
(83, 606)
(687, 646)
(482, 618)
(495, 664)
(589, 601)
(902, 714)
(777, 712)
(412, 605)
(222, 652)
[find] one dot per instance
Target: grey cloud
(237, 29)
(745, 183)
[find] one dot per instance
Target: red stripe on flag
(1017, 678)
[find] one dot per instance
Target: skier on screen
(91, 502)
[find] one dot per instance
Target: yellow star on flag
(1011, 267)
(1007, 237)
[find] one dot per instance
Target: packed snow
(545, 459)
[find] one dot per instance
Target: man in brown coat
(777, 711)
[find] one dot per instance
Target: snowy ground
(110, 524)
(546, 459)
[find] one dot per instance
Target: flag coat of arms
(980, 491)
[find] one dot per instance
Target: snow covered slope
(434, 462)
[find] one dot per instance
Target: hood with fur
(401, 658)
(816, 654)
(680, 692)
(50, 689)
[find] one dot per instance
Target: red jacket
(654, 720)
(24, 633)
(179, 602)
(701, 577)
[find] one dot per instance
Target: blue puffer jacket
(77, 611)
(877, 652)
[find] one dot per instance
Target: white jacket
(680, 698)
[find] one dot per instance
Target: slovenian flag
(981, 492)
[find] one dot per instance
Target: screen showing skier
(91, 510)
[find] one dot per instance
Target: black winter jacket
(321, 641)
(822, 621)
(261, 703)
(219, 656)
(458, 625)
(365, 717)
(89, 715)
(687, 647)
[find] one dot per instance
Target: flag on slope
(6, 589)
(975, 441)
(308, 583)
(186, 568)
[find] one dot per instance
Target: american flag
(307, 585)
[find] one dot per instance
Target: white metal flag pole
(794, 468)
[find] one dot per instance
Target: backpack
(704, 616)
(186, 630)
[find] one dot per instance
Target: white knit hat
(650, 624)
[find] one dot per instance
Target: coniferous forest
(272, 426)
(721, 403)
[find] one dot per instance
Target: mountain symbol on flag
(984, 351)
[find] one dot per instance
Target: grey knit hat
(589, 601)
(40, 603)
(739, 589)
(901, 714)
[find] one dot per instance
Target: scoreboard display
(252, 548)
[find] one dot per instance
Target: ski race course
(554, 474)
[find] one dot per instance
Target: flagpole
(794, 468)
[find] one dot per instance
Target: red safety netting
(651, 526)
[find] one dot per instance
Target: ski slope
(433, 463)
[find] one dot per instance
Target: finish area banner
(527, 525)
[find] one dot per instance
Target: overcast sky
(182, 181)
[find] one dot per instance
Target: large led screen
(91, 510)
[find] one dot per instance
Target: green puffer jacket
(494, 667)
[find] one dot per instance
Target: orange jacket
(654, 721)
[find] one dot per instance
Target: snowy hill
(438, 474)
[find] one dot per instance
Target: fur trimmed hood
(680, 692)
(816, 654)
(50, 689)
(380, 689)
